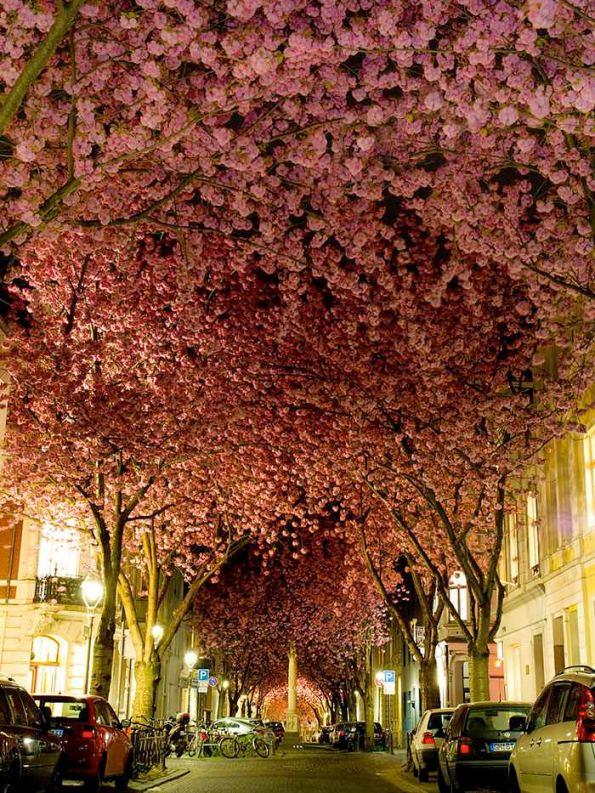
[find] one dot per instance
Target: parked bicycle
(207, 741)
(253, 743)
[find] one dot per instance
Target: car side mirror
(518, 724)
(125, 723)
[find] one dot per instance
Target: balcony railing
(62, 590)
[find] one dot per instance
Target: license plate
(58, 733)
(501, 747)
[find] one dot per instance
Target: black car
(30, 755)
(325, 733)
(479, 740)
(354, 735)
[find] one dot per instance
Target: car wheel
(514, 782)
(442, 787)
(93, 784)
(561, 786)
(423, 774)
(10, 784)
(121, 782)
(55, 785)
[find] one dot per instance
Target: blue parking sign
(389, 676)
(203, 675)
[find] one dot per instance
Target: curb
(151, 784)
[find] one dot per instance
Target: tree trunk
(349, 711)
(147, 677)
(103, 648)
(369, 716)
(428, 684)
(479, 674)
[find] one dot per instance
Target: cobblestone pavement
(296, 771)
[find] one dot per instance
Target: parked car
(95, 744)
(277, 728)
(351, 735)
(426, 740)
(556, 753)
(479, 740)
(337, 735)
(240, 726)
(30, 755)
(325, 732)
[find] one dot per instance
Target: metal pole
(89, 648)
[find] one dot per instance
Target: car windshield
(64, 710)
(493, 722)
(439, 721)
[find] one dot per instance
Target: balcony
(59, 590)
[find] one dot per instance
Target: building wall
(549, 609)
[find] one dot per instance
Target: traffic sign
(389, 688)
(202, 689)
(203, 675)
(389, 676)
(213, 681)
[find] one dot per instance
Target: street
(310, 770)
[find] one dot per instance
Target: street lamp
(191, 659)
(157, 634)
(221, 707)
(92, 590)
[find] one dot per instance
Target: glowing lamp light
(191, 659)
(157, 634)
(92, 590)
(225, 684)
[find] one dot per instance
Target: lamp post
(191, 659)
(157, 634)
(92, 590)
(222, 693)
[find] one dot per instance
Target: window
(45, 663)
(537, 715)
(17, 710)
(589, 449)
(31, 709)
(5, 715)
(559, 651)
(512, 548)
(102, 715)
(572, 703)
(573, 637)
(457, 592)
(557, 704)
(533, 536)
(59, 552)
(538, 661)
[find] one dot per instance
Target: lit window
(590, 477)
(512, 543)
(533, 535)
(59, 553)
(457, 592)
(45, 665)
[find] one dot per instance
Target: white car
(556, 753)
(427, 739)
(239, 726)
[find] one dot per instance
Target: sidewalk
(156, 779)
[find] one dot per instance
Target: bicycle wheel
(261, 747)
(229, 747)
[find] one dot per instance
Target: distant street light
(157, 634)
(191, 659)
(92, 590)
(224, 686)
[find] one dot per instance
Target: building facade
(549, 569)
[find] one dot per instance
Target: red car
(95, 744)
